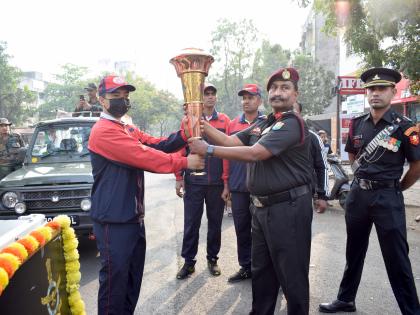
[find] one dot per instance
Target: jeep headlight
(10, 199)
(85, 204)
(20, 208)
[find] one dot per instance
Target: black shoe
(337, 306)
(242, 274)
(213, 267)
(185, 271)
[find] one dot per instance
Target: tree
(315, 84)
(381, 32)
(64, 94)
(242, 63)
(154, 110)
(14, 99)
(232, 47)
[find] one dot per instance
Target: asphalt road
(202, 293)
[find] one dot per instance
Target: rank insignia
(278, 125)
(286, 74)
(256, 131)
(414, 139)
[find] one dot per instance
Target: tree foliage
(316, 85)
(232, 47)
(14, 99)
(153, 110)
(64, 93)
(242, 63)
(381, 32)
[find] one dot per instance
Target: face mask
(118, 107)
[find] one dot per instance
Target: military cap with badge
(389, 77)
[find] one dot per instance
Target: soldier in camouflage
(11, 149)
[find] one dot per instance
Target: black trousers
(194, 198)
(242, 220)
(281, 249)
(385, 209)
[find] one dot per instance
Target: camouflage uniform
(11, 148)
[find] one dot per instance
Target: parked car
(56, 176)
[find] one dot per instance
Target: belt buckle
(257, 202)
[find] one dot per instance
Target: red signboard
(403, 94)
(348, 85)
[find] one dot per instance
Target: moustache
(277, 98)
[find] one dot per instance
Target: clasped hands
(196, 144)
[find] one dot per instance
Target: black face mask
(118, 107)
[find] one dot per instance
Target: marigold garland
(15, 254)
(30, 243)
(54, 225)
(38, 236)
(4, 278)
(71, 256)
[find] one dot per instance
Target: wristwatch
(210, 150)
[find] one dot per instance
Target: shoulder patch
(411, 130)
(278, 125)
(414, 139)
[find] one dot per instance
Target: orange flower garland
(30, 244)
(18, 252)
(38, 236)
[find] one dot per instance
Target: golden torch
(192, 66)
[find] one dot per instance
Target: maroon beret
(283, 74)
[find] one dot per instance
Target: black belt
(292, 194)
(367, 184)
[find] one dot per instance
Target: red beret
(283, 74)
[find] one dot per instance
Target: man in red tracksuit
(120, 154)
(251, 100)
(207, 188)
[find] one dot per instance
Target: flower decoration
(14, 255)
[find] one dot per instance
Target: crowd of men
(274, 171)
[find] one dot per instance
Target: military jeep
(56, 176)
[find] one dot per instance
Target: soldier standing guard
(379, 142)
(11, 148)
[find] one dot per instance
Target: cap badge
(118, 80)
(376, 77)
(285, 74)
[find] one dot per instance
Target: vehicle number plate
(74, 220)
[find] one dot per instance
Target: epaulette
(400, 119)
(360, 116)
(406, 118)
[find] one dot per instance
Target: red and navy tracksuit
(241, 197)
(119, 155)
(206, 188)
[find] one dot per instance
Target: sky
(43, 35)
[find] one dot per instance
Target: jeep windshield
(61, 143)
